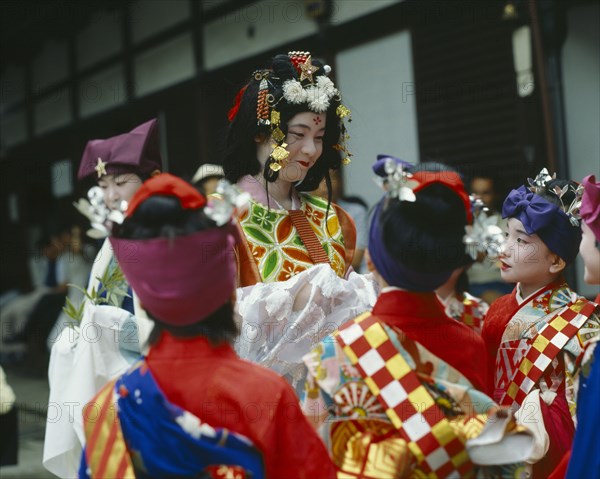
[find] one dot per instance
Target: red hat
(180, 280)
(135, 152)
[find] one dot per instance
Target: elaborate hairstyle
(550, 209)
(293, 84)
(177, 259)
(417, 243)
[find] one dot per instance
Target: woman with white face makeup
(117, 334)
(286, 133)
(535, 334)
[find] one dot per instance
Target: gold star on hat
(307, 69)
(100, 168)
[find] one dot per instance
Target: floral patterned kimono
(275, 250)
(536, 342)
(359, 431)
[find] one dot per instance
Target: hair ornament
(224, 202)
(400, 182)
(539, 185)
(100, 215)
(484, 236)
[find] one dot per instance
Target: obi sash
(535, 356)
(407, 403)
(136, 432)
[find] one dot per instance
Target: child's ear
(557, 265)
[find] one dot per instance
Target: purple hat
(180, 280)
(590, 204)
(134, 152)
(379, 165)
(547, 220)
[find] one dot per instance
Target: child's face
(117, 188)
(525, 258)
(590, 254)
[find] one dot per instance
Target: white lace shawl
(281, 322)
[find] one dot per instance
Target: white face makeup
(526, 259)
(305, 145)
(117, 188)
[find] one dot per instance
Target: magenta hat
(180, 280)
(590, 204)
(134, 152)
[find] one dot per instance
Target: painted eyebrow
(523, 232)
(302, 125)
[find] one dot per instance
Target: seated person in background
(484, 275)
(218, 416)
(47, 276)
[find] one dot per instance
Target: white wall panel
(100, 39)
(13, 128)
(50, 65)
(581, 74)
(52, 111)
(153, 16)
(376, 81)
(101, 91)
(253, 29)
(165, 65)
(12, 85)
(345, 10)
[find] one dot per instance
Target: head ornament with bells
(308, 84)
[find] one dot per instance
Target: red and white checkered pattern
(544, 348)
(407, 403)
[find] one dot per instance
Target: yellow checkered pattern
(419, 399)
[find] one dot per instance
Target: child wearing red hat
(192, 408)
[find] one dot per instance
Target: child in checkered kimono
(390, 392)
(535, 334)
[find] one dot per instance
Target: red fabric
(447, 178)
(561, 430)
(167, 185)
(561, 470)
(225, 391)
(496, 319)
(236, 104)
(421, 317)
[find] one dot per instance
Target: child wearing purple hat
(535, 334)
(191, 407)
(119, 165)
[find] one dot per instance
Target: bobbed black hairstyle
(426, 235)
(163, 217)
(240, 145)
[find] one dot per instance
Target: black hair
(162, 216)
(218, 327)
(240, 145)
(550, 195)
(426, 235)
